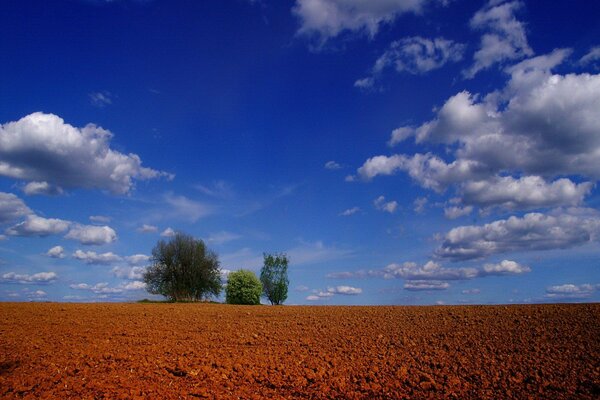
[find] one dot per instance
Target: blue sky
(399, 151)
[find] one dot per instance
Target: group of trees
(184, 269)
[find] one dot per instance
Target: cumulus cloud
(12, 208)
(344, 290)
(591, 57)
(329, 18)
(44, 149)
(91, 234)
(145, 228)
(100, 219)
(533, 231)
(514, 148)
(571, 291)
(38, 226)
(400, 134)
(414, 55)
(131, 273)
(504, 38)
(40, 277)
(137, 259)
(387, 206)
(426, 285)
(56, 252)
(419, 204)
(350, 211)
(169, 232)
(332, 165)
(43, 188)
(105, 288)
(454, 212)
(91, 257)
(505, 267)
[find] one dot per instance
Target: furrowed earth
(171, 351)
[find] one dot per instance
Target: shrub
(243, 287)
(183, 269)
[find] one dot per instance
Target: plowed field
(230, 352)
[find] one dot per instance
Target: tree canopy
(183, 269)
(243, 287)
(274, 277)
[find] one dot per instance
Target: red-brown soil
(229, 352)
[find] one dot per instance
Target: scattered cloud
(44, 149)
(40, 277)
(326, 19)
(91, 234)
(218, 189)
(470, 291)
(131, 273)
(317, 252)
(138, 259)
(100, 99)
(12, 208)
(91, 257)
(43, 188)
(505, 267)
(145, 228)
(301, 288)
(454, 212)
(56, 252)
(426, 285)
(533, 231)
(105, 288)
(100, 219)
(419, 204)
(344, 290)
(591, 57)
(389, 206)
(222, 237)
(349, 211)
(504, 38)
(332, 165)
(571, 291)
(414, 55)
(169, 232)
(185, 208)
(38, 226)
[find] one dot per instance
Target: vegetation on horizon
(274, 277)
(243, 287)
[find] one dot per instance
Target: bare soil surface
(215, 351)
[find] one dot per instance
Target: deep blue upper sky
(399, 151)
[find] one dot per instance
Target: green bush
(243, 287)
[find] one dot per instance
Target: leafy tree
(183, 269)
(274, 278)
(243, 287)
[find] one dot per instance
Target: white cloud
(317, 252)
(328, 18)
(430, 271)
(426, 285)
(571, 291)
(218, 189)
(222, 237)
(137, 259)
(91, 257)
(592, 56)
(400, 134)
(524, 193)
(12, 208)
(533, 231)
(44, 188)
(454, 212)
(470, 291)
(504, 38)
(301, 288)
(145, 228)
(135, 285)
(313, 297)
(332, 165)
(38, 226)
(344, 290)
(414, 55)
(100, 99)
(43, 148)
(505, 267)
(56, 252)
(99, 288)
(40, 277)
(169, 232)
(349, 211)
(419, 204)
(100, 219)
(389, 206)
(132, 273)
(91, 234)
(183, 207)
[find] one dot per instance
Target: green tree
(243, 287)
(183, 269)
(274, 277)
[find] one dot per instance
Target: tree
(183, 269)
(274, 278)
(243, 287)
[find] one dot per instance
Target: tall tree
(183, 269)
(274, 277)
